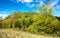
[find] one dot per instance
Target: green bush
(45, 26)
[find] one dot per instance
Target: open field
(9, 33)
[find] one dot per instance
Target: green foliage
(46, 25)
(32, 22)
(0, 22)
(45, 9)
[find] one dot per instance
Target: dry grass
(9, 33)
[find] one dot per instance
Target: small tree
(0, 21)
(45, 9)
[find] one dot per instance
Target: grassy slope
(9, 33)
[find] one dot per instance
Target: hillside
(36, 23)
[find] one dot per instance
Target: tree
(1, 22)
(45, 9)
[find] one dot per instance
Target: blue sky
(8, 6)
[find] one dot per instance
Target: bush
(47, 25)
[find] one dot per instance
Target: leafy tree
(1, 22)
(45, 9)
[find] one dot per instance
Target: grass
(11, 33)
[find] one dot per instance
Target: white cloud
(30, 5)
(54, 3)
(24, 1)
(41, 3)
(27, 2)
(58, 15)
(58, 6)
(3, 15)
(4, 11)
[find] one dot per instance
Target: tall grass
(19, 34)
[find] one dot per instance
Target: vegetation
(11, 33)
(39, 23)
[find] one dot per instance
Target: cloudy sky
(8, 6)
